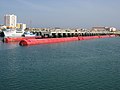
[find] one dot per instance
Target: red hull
(17, 39)
(26, 42)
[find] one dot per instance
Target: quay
(48, 35)
(59, 33)
(66, 35)
(70, 32)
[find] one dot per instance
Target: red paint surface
(46, 40)
(26, 42)
(17, 39)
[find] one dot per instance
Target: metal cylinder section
(26, 42)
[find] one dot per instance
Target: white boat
(28, 34)
(13, 32)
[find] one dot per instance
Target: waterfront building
(21, 26)
(10, 20)
(111, 29)
(99, 28)
(18, 25)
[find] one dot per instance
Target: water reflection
(5, 46)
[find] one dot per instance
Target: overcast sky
(63, 13)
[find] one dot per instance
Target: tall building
(10, 20)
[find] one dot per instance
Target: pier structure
(59, 33)
(52, 32)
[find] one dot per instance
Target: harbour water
(78, 65)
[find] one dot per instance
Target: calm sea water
(79, 65)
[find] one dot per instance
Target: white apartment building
(10, 20)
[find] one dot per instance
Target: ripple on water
(6, 46)
(84, 65)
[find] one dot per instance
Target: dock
(58, 33)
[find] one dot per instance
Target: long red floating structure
(26, 42)
(17, 39)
